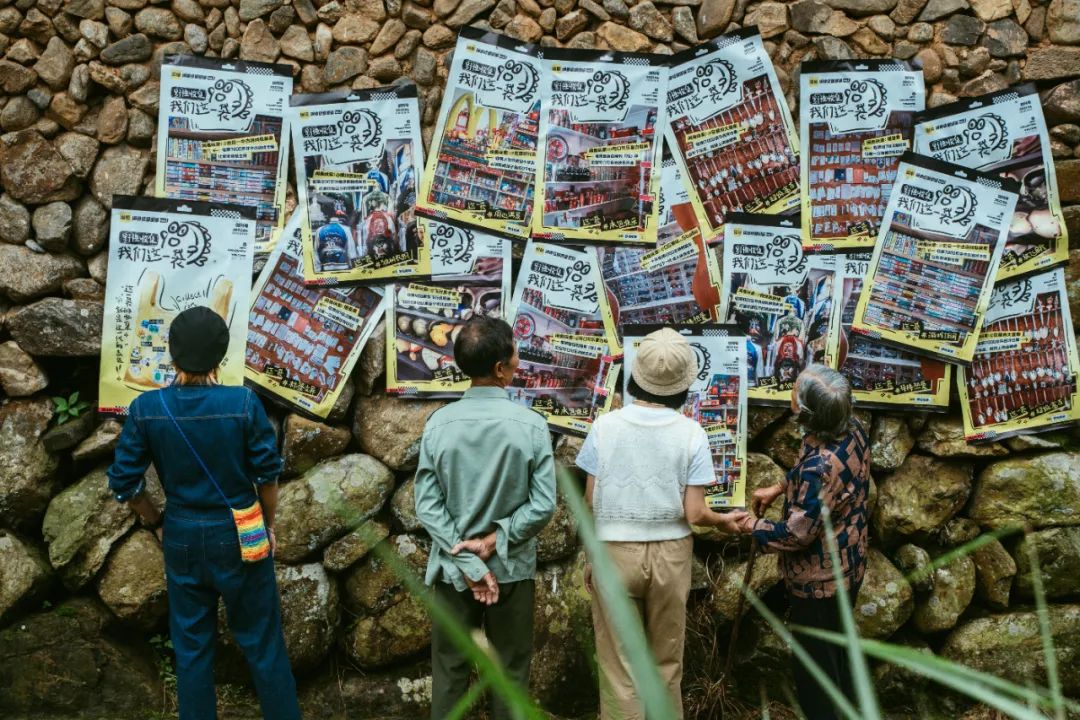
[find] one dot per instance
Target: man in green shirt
(485, 487)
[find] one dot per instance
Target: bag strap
(192, 448)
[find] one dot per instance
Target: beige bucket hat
(664, 363)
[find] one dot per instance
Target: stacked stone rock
(81, 587)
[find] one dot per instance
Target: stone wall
(81, 587)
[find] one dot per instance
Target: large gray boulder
(954, 586)
(944, 437)
(373, 586)
(55, 327)
(132, 583)
(885, 599)
(403, 506)
(1042, 490)
(729, 580)
(890, 442)
(25, 577)
(1058, 553)
(27, 469)
(350, 549)
(994, 573)
(389, 428)
(307, 442)
(919, 497)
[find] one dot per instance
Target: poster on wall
(304, 340)
(600, 146)
(779, 298)
(1004, 133)
(717, 401)
(855, 121)
(166, 256)
(220, 136)
(358, 157)
(1023, 378)
(566, 341)
(937, 253)
(731, 131)
(470, 276)
(678, 281)
(880, 375)
(482, 166)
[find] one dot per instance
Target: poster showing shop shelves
(470, 276)
(717, 401)
(304, 340)
(1005, 133)
(779, 297)
(357, 159)
(566, 341)
(730, 129)
(936, 257)
(676, 282)
(221, 137)
(1023, 378)
(166, 256)
(600, 141)
(855, 121)
(880, 375)
(482, 165)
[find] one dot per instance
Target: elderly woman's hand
(762, 498)
(746, 524)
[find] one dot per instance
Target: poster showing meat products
(1005, 133)
(1024, 376)
(220, 136)
(482, 166)
(717, 401)
(935, 260)
(855, 121)
(470, 275)
(358, 154)
(600, 146)
(880, 375)
(304, 340)
(678, 281)
(731, 131)
(568, 350)
(166, 256)
(779, 297)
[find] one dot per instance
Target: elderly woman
(832, 475)
(217, 458)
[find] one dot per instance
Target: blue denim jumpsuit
(228, 427)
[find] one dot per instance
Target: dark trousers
(821, 613)
(202, 563)
(508, 625)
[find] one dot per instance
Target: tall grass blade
(1045, 635)
(461, 708)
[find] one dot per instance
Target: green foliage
(68, 408)
(163, 653)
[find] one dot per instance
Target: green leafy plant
(68, 408)
(163, 651)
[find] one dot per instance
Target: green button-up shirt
(485, 464)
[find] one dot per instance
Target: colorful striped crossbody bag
(250, 526)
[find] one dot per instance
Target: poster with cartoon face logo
(470, 276)
(881, 375)
(855, 119)
(731, 131)
(1023, 379)
(220, 136)
(482, 166)
(717, 401)
(936, 257)
(779, 297)
(567, 345)
(304, 340)
(1005, 133)
(597, 173)
(358, 158)
(166, 256)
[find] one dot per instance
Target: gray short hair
(824, 399)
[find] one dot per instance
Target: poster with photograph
(600, 146)
(568, 350)
(937, 253)
(304, 340)
(1004, 133)
(482, 167)
(470, 275)
(880, 375)
(717, 401)
(731, 131)
(166, 256)
(358, 157)
(779, 298)
(678, 281)
(1023, 377)
(855, 121)
(220, 137)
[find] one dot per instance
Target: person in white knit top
(648, 466)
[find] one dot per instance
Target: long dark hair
(824, 399)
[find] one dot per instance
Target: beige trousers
(657, 579)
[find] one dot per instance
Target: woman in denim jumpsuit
(228, 428)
